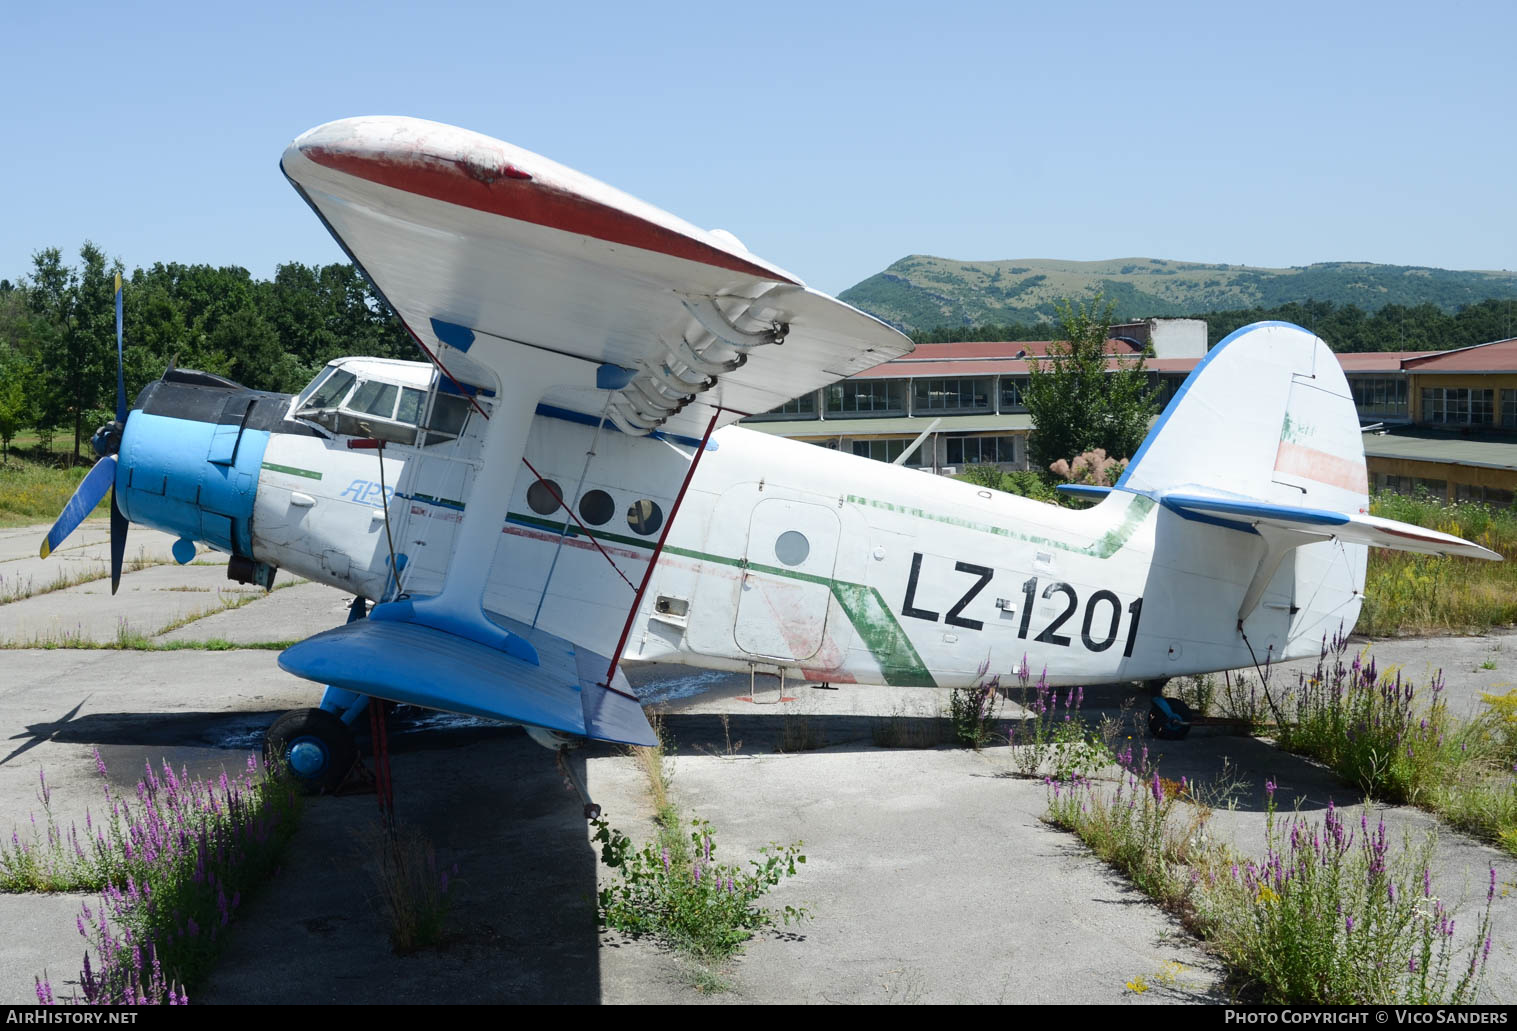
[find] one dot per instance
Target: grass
(35, 483)
(129, 638)
(1407, 594)
(173, 864)
(17, 589)
(902, 729)
(1330, 914)
(799, 731)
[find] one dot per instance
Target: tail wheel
(315, 746)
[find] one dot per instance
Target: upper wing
(467, 236)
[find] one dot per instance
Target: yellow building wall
(1469, 380)
(1455, 474)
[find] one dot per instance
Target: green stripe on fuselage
(1105, 546)
(309, 474)
(872, 619)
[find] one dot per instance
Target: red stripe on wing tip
(494, 190)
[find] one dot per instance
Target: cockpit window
(410, 405)
(375, 398)
(329, 392)
(311, 386)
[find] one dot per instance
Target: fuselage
(781, 555)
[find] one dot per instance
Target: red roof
(1376, 361)
(1496, 356)
(975, 349)
(1010, 358)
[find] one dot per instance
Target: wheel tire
(315, 746)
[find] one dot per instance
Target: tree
(1076, 404)
(76, 361)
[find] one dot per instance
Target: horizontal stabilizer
(423, 665)
(1350, 527)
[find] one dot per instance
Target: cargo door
(787, 576)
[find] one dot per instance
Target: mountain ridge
(922, 291)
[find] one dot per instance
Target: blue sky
(833, 139)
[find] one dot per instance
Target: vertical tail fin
(1266, 416)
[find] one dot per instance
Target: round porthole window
(596, 507)
(792, 547)
(543, 496)
(645, 517)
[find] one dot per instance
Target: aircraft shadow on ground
(1235, 769)
(1232, 770)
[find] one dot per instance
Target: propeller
(106, 442)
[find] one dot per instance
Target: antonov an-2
(559, 485)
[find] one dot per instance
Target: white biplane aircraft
(558, 488)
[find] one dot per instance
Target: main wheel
(316, 746)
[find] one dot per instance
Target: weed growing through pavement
(674, 890)
(975, 711)
(1198, 691)
(799, 732)
(172, 864)
(657, 766)
(1378, 733)
(1331, 914)
(1242, 699)
(1050, 738)
(413, 891)
(903, 729)
(1370, 729)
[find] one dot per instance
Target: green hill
(923, 292)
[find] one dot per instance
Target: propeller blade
(120, 370)
(119, 524)
(91, 489)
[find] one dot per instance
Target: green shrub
(673, 890)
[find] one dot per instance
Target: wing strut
(616, 655)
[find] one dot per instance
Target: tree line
(1344, 327)
(58, 335)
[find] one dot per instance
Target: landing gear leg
(1156, 687)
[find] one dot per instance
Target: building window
(1509, 409)
(867, 397)
(1379, 396)
(1458, 406)
(803, 407)
(1014, 393)
(950, 395)
(890, 450)
(980, 450)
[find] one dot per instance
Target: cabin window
(449, 413)
(596, 507)
(645, 516)
(543, 495)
